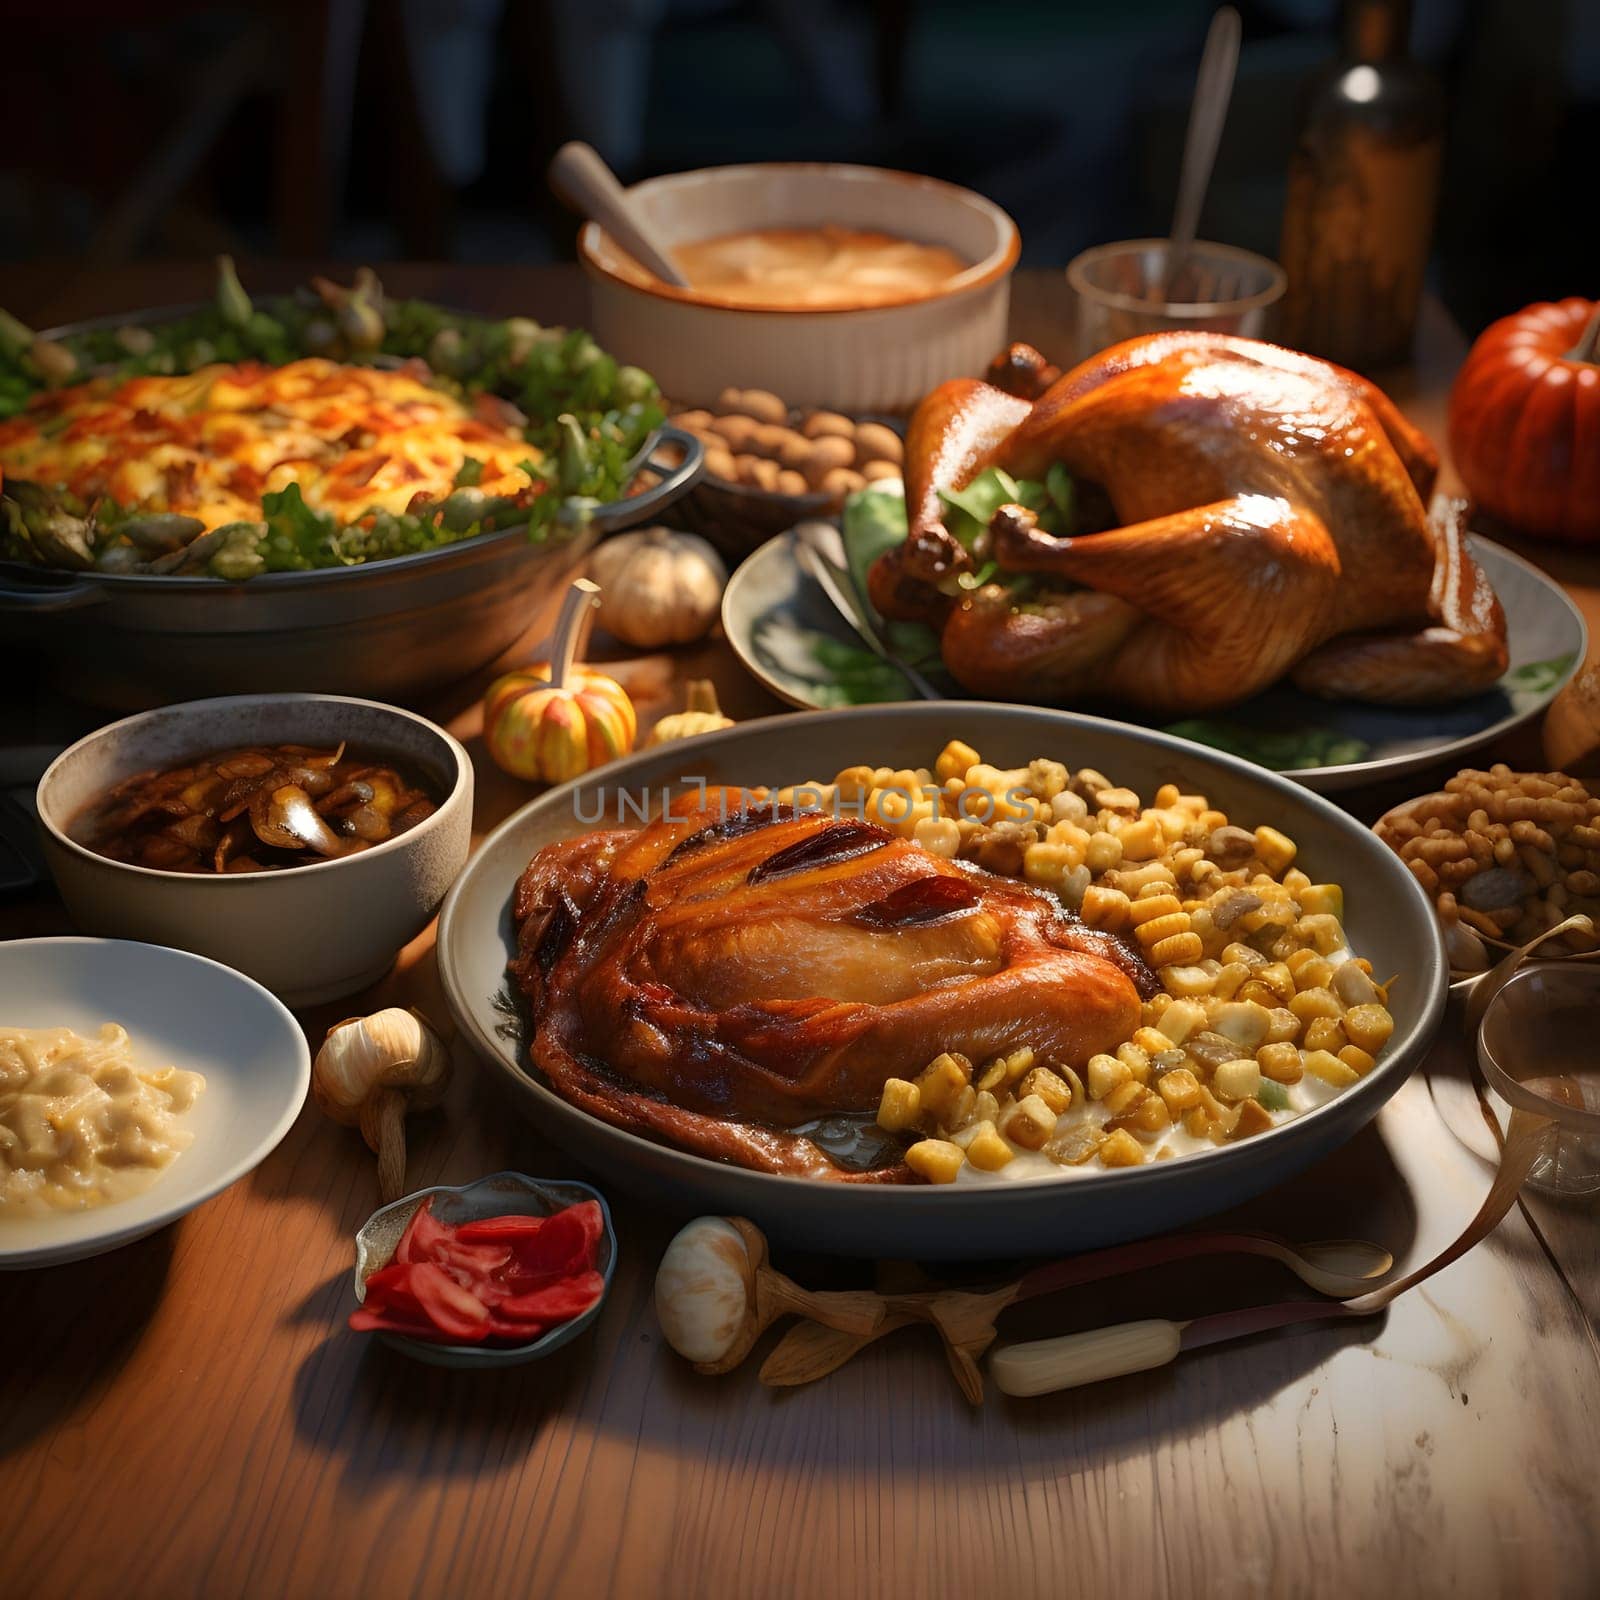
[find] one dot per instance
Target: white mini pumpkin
(658, 587)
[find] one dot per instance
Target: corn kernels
(1196, 1122)
(1141, 839)
(1186, 982)
(1282, 1024)
(940, 836)
(899, 1105)
(1322, 899)
(985, 1108)
(1242, 1021)
(1236, 1080)
(1103, 1074)
(1124, 1097)
(1120, 1149)
(1280, 1062)
(1105, 908)
(1155, 906)
(1179, 1088)
(1050, 1087)
(960, 1109)
(987, 1151)
(1177, 949)
(937, 1160)
(1276, 850)
(1152, 1040)
(1027, 1122)
(1233, 977)
(1324, 1033)
(1318, 1002)
(1329, 1068)
(1137, 1061)
(1368, 1027)
(941, 1081)
(1357, 1059)
(1180, 1018)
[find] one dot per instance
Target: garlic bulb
(370, 1071)
(705, 1290)
(658, 587)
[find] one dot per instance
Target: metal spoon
(580, 175)
(813, 542)
(1212, 91)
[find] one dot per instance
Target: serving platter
(1388, 917)
(180, 1010)
(773, 614)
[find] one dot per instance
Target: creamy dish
(80, 1124)
(825, 268)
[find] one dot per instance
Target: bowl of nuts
(770, 465)
(1506, 857)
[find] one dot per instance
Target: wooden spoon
(579, 174)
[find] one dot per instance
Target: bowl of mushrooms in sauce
(301, 839)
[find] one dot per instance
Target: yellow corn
(900, 1105)
(1329, 1068)
(1156, 907)
(1180, 1018)
(985, 1107)
(1357, 1059)
(940, 836)
(1166, 796)
(1152, 1040)
(1232, 978)
(1141, 839)
(1282, 1024)
(1325, 932)
(1137, 1061)
(1368, 1027)
(1280, 1062)
(1120, 1149)
(1197, 1121)
(1180, 1089)
(1317, 1002)
(1186, 982)
(1103, 851)
(854, 783)
(1324, 899)
(937, 1160)
(941, 1081)
(1276, 850)
(987, 1151)
(1324, 1033)
(1028, 1122)
(960, 1109)
(992, 1076)
(1124, 1097)
(956, 760)
(1236, 1080)
(1149, 1115)
(1176, 950)
(1047, 1086)
(1103, 1074)
(1242, 1021)
(1105, 908)
(1303, 962)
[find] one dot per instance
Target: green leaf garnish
(1281, 752)
(1539, 677)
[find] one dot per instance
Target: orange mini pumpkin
(551, 722)
(1525, 421)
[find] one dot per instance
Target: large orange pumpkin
(1525, 421)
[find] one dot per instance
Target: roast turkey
(1263, 513)
(731, 973)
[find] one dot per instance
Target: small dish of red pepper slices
(500, 1270)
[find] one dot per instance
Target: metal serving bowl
(383, 630)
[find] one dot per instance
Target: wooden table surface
(189, 1416)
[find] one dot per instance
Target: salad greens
(1281, 750)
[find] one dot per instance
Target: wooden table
(189, 1416)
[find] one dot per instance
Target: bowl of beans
(1506, 857)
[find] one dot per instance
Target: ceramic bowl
(502, 1194)
(881, 358)
(1388, 917)
(181, 1011)
(307, 933)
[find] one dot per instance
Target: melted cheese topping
(211, 443)
(80, 1124)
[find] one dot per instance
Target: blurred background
(377, 130)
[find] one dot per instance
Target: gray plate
(1389, 918)
(771, 606)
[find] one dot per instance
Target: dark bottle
(1363, 183)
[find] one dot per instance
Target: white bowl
(308, 933)
(880, 358)
(179, 1011)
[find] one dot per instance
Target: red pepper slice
(567, 1242)
(423, 1234)
(499, 1229)
(455, 1312)
(555, 1302)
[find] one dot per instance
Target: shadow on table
(387, 1416)
(90, 1316)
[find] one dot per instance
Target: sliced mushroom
(285, 817)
